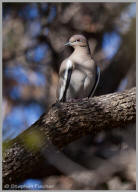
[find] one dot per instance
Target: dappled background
(34, 35)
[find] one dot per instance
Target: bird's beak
(67, 44)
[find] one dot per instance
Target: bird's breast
(76, 84)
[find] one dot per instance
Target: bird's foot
(74, 100)
(56, 104)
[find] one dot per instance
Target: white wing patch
(69, 65)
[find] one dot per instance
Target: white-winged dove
(78, 75)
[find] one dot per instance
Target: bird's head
(77, 41)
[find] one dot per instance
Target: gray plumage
(78, 75)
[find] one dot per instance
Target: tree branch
(64, 123)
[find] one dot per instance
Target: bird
(78, 74)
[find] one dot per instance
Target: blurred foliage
(33, 48)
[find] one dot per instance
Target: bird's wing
(96, 82)
(64, 79)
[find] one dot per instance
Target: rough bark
(64, 123)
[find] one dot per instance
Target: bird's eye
(78, 40)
